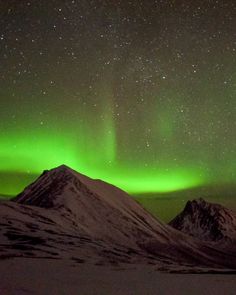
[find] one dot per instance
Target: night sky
(141, 94)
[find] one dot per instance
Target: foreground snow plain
(48, 276)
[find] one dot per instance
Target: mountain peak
(46, 190)
(200, 204)
(62, 168)
(205, 220)
(196, 202)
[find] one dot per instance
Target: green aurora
(25, 155)
(139, 94)
(29, 156)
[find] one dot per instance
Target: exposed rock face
(207, 221)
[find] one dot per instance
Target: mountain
(207, 221)
(96, 208)
(67, 215)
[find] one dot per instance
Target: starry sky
(141, 94)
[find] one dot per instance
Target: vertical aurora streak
(139, 94)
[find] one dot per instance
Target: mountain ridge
(67, 214)
(206, 221)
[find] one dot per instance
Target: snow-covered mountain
(96, 208)
(65, 214)
(207, 221)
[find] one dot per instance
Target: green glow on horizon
(158, 182)
(29, 157)
(95, 147)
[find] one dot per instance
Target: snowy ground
(34, 276)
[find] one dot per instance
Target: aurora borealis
(141, 94)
